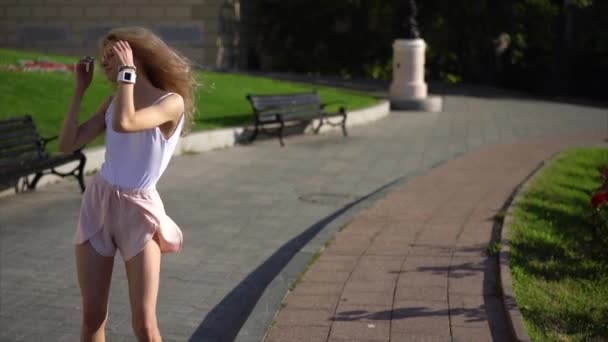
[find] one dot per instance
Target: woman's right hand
(84, 73)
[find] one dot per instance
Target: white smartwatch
(126, 76)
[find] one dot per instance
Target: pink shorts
(112, 217)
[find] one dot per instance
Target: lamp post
(408, 91)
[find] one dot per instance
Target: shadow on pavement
(225, 320)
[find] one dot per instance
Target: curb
(514, 317)
(217, 139)
(433, 104)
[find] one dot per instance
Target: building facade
(209, 32)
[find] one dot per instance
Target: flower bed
(599, 202)
(39, 66)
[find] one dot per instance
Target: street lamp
(408, 91)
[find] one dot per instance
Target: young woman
(151, 107)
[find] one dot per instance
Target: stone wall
(207, 31)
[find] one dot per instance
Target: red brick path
(414, 266)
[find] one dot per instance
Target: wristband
(122, 67)
(126, 76)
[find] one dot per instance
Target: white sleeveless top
(136, 160)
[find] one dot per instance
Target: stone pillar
(408, 70)
(408, 90)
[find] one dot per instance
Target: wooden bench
(280, 109)
(23, 153)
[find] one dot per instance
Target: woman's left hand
(123, 53)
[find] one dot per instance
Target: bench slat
(19, 152)
(303, 112)
(18, 123)
(292, 110)
(8, 165)
(19, 156)
(21, 127)
(265, 102)
(26, 167)
(12, 143)
(16, 135)
(263, 105)
(24, 118)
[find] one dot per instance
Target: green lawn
(560, 277)
(220, 100)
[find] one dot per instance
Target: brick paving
(415, 266)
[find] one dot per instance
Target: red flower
(599, 198)
(28, 65)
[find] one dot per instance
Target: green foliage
(346, 37)
(494, 249)
(582, 3)
(536, 45)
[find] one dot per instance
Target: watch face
(126, 76)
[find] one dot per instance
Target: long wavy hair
(164, 66)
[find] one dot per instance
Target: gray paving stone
(247, 232)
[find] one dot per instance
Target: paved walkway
(252, 217)
(415, 266)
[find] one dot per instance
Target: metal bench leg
(255, 133)
(32, 185)
(80, 174)
(22, 184)
(281, 133)
(318, 129)
(343, 112)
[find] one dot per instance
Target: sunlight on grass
(220, 101)
(560, 274)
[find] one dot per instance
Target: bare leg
(94, 278)
(143, 273)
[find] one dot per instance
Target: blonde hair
(164, 66)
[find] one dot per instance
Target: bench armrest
(47, 140)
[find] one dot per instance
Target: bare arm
(73, 136)
(125, 118)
